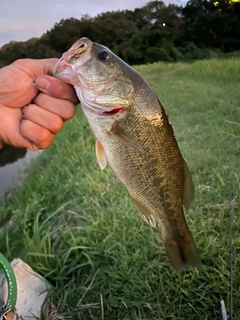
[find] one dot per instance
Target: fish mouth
(65, 65)
(77, 50)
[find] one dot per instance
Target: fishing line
(230, 217)
(231, 242)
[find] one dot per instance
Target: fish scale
(153, 177)
(134, 135)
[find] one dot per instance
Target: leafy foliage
(154, 32)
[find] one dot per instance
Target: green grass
(76, 225)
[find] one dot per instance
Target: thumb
(37, 67)
(45, 66)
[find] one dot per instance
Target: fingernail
(43, 83)
(34, 147)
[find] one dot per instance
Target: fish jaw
(64, 72)
(77, 55)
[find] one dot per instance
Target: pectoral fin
(188, 188)
(101, 156)
(144, 212)
(126, 138)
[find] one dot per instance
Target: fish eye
(103, 55)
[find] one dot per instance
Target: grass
(77, 226)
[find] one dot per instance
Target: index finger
(36, 67)
(56, 88)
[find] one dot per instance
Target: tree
(155, 14)
(212, 24)
(113, 28)
(64, 34)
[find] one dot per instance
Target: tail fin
(181, 252)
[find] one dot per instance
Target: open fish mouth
(77, 50)
(71, 56)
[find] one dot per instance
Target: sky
(21, 20)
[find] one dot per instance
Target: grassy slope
(77, 226)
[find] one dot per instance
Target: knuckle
(38, 97)
(69, 110)
(58, 124)
(38, 135)
(19, 62)
(43, 138)
(57, 89)
(26, 110)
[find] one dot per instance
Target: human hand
(33, 104)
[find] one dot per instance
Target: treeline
(154, 32)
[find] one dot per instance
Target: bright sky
(21, 20)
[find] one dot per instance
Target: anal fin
(144, 212)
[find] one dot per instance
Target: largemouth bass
(134, 135)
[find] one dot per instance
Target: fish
(135, 137)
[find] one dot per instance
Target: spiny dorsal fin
(101, 156)
(188, 188)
